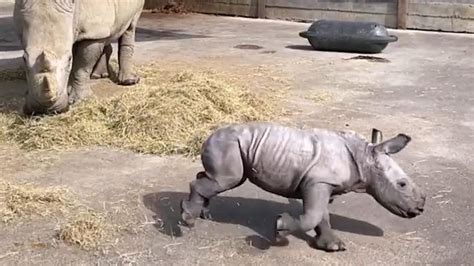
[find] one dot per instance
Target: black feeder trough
(344, 36)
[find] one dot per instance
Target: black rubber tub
(345, 36)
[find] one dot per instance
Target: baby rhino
(309, 164)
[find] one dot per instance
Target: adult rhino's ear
(393, 145)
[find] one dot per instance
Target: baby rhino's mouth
(414, 212)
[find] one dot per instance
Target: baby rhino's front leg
(325, 238)
(315, 200)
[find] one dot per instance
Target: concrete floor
(424, 91)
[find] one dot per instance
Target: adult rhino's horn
(45, 62)
(49, 89)
(377, 136)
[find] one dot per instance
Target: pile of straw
(158, 116)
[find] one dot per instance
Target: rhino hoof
(280, 234)
(100, 75)
(76, 96)
(129, 81)
(329, 243)
(280, 240)
(187, 217)
(206, 214)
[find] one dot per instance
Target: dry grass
(5, 121)
(83, 227)
(86, 230)
(159, 116)
(26, 200)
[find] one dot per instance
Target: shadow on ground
(144, 34)
(12, 85)
(256, 214)
(300, 47)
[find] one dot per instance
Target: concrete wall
(381, 11)
(6, 2)
(443, 15)
(244, 8)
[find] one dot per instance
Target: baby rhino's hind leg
(224, 171)
(201, 190)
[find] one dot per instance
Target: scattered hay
(5, 121)
(86, 230)
(17, 201)
(319, 97)
(12, 74)
(164, 117)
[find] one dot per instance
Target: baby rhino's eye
(402, 184)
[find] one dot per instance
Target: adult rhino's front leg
(126, 52)
(86, 55)
(325, 238)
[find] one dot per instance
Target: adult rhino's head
(46, 32)
(388, 183)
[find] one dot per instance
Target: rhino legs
(86, 55)
(326, 238)
(126, 51)
(201, 191)
(102, 68)
(224, 171)
(315, 201)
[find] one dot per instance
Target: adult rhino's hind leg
(126, 51)
(325, 238)
(102, 69)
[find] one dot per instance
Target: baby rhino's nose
(421, 203)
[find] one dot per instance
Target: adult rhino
(65, 42)
(313, 165)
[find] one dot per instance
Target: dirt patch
(248, 47)
(167, 113)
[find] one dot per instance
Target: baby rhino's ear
(393, 145)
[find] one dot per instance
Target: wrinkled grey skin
(313, 165)
(65, 42)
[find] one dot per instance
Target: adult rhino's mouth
(32, 108)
